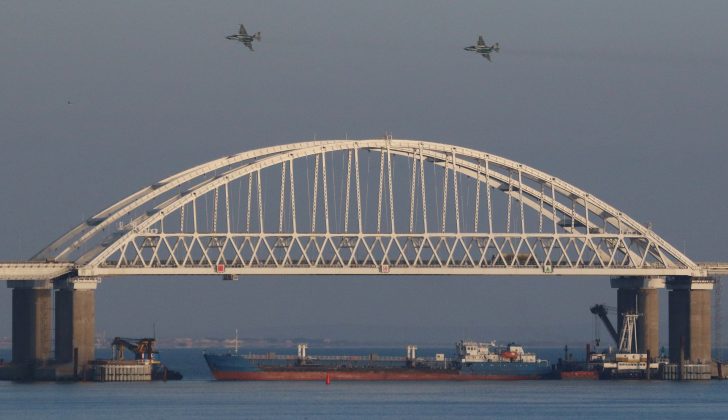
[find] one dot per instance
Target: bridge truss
(373, 206)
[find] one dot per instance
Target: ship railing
(347, 358)
(367, 357)
(270, 357)
(120, 362)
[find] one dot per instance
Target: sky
(624, 99)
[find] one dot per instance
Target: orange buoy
(328, 379)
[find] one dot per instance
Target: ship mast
(629, 334)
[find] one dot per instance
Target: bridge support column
(690, 319)
(75, 324)
(31, 322)
(640, 295)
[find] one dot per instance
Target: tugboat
(569, 368)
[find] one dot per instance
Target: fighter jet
(242, 36)
(483, 49)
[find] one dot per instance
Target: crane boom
(143, 348)
(601, 311)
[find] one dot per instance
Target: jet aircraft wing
(249, 44)
(481, 41)
(242, 30)
(487, 57)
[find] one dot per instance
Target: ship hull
(580, 374)
(311, 376)
(364, 376)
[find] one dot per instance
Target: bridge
(356, 207)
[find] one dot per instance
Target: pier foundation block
(640, 295)
(75, 324)
(31, 314)
(690, 319)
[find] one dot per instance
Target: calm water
(199, 396)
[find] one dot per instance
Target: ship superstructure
(471, 351)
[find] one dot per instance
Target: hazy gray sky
(624, 99)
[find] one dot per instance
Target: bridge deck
(36, 270)
(30, 270)
(33, 270)
(715, 268)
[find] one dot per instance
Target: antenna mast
(628, 339)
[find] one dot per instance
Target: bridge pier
(640, 295)
(75, 324)
(31, 314)
(690, 319)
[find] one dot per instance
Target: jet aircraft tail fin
(496, 47)
(257, 36)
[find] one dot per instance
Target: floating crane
(145, 352)
(143, 348)
(601, 311)
(627, 362)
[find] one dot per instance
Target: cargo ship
(472, 361)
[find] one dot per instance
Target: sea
(198, 395)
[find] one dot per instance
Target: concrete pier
(690, 319)
(640, 295)
(31, 322)
(75, 325)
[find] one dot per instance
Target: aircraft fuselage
(241, 38)
(481, 50)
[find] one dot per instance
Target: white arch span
(441, 217)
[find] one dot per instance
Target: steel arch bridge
(375, 206)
